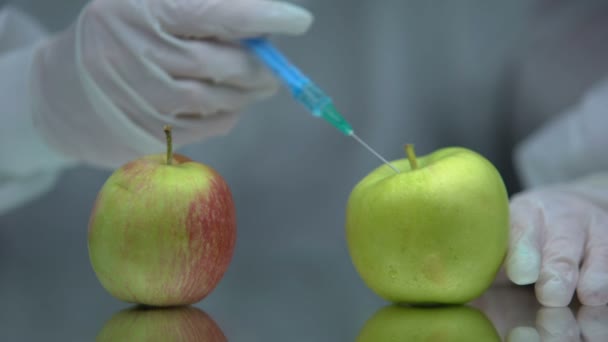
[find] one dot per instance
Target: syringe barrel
(302, 88)
(279, 64)
(320, 105)
(312, 97)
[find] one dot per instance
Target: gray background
(479, 74)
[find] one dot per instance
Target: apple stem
(411, 156)
(167, 130)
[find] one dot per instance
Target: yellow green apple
(162, 230)
(184, 324)
(446, 323)
(436, 232)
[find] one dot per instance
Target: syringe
(304, 90)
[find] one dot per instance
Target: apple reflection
(441, 323)
(184, 324)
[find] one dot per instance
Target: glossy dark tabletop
(284, 299)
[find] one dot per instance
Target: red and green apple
(163, 230)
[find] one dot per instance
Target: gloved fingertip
(592, 289)
(287, 18)
(523, 264)
(231, 19)
(523, 334)
(592, 301)
(553, 292)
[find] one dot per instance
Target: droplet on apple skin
(392, 272)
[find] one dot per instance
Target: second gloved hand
(559, 225)
(559, 240)
(103, 89)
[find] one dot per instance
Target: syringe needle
(373, 151)
(305, 91)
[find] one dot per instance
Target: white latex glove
(571, 145)
(559, 240)
(28, 166)
(559, 226)
(103, 89)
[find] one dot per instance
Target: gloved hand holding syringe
(304, 90)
